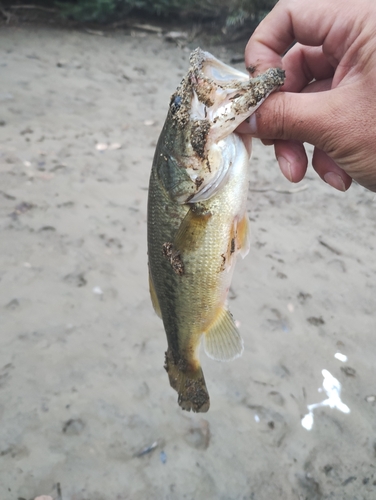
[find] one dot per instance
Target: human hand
(329, 96)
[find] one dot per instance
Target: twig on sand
(38, 7)
(146, 450)
(94, 32)
(147, 27)
(59, 495)
(6, 14)
(283, 191)
(329, 247)
(143, 27)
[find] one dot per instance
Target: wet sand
(84, 400)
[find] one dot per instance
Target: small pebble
(163, 457)
(114, 145)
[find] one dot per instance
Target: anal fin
(222, 341)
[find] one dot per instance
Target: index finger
(310, 23)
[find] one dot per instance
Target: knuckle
(272, 118)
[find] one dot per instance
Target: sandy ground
(86, 409)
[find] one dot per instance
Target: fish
(197, 220)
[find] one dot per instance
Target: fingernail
(252, 124)
(285, 166)
(335, 181)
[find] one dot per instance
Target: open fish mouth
(224, 95)
(210, 103)
(215, 85)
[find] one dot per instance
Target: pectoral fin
(238, 243)
(243, 236)
(192, 229)
(222, 341)
(153, 296)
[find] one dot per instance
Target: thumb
(303, 117)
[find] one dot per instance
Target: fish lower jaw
(189, 384)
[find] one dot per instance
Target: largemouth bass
(197, 220)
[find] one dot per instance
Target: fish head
(198, 141)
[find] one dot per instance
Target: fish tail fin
(222, 341)
(189, 384)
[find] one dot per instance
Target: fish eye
(175, 103)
